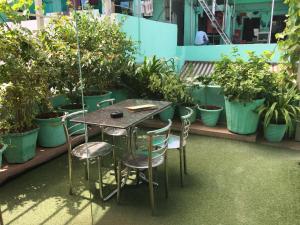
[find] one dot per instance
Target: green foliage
(281, 107)
(156, 79)
(15, 10)
(23, 81)
(243, 80)
(289, 39)
(105, 52)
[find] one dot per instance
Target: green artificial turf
(229, 183)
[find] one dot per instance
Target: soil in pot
(51, 132)
(210, 114)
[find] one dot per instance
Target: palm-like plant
(282, 106)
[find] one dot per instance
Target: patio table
(130, 119)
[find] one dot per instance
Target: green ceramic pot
(182, 111)
(21, 147)
(242, 118)
(51, 133)
(275, 132)
(91, 100)
(167, 114)
(120, 94)
(2, 149)
(210, 115)
(59, 100)
(71, 108)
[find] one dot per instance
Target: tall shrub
(105, 52)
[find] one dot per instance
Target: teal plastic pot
(275, 132)
(51, 133)
(1, 153)
(242, 118)
(71, 108)
(210, 115)
(21, 147)
(92, 100)
(167, 114)
(59, 100)
(120, 94)
(182, 111)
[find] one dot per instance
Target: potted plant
(245, 85)
(21, 90)
(280, 111)
(209, 113)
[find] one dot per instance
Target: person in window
(201, 38)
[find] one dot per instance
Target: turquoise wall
(214, 52)
(152, 37)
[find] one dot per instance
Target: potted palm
(21, 90)
(209, 113)
(280, 111)
(245, 85)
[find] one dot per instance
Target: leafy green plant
(281, 107)
(244, 80)
(23, 81)
(16, 10)
(289, 39)
(105, 52)
(156, 79)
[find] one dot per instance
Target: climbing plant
(289, 39)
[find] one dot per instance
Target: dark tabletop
(102, 117)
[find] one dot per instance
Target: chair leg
(119, 181)
(151, 191)
(184, 159)
(166, 177)
(70, 174)
(99, 160)
(86, 171)
(114, 158)
(181, 165)
(137, 177)
(1, 219)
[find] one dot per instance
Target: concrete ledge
(43, 155)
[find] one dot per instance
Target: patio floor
(229, 183)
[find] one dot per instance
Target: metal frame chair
(179, 142)
(87, 151)
(154, 156)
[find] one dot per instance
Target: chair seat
(173, 142)
(140, 160)
(91, 150)
(115, 131)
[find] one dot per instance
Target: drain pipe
(191, 22)
(271, 21)
(170, 11)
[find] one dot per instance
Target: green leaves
(15, 10)
(24, 73)
(105, 53)
(289, 39)
(243, 80)
(156, 79)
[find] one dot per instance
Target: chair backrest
(185, 125)
(77, 128)
(158, 149)
(105, 103)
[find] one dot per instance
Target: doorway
(249, 26)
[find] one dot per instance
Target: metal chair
(87, 151)
(148, 159)
(179, 142)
